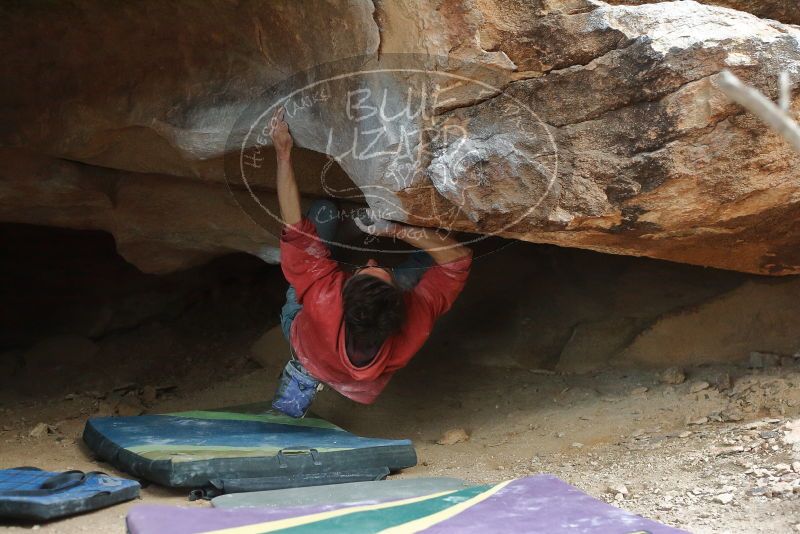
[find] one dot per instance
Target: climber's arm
(443, 249)
(288, 194)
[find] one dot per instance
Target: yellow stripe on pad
(272, 526)
(427, 522)
(306, 422)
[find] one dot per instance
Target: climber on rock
(353, 330)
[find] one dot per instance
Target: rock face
(722, 329)
(579, 123)
(578, 312)
(782, 10)
(117, 118)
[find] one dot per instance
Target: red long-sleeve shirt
(317, 333)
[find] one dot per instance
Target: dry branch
(763, 107)
(785, 91)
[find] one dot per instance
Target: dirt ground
(717, 452)
(712, 454)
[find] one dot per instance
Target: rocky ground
(707, 449)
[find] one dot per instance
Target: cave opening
(549, 356)
(79, 315)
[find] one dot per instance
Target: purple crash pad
(540, 504)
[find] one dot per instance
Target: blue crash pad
(242, 448)
(30, 493)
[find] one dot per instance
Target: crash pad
(539, 504)
(242, 448)
(353, 492)
(34, 494)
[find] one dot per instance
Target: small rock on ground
(724, 498)
(453, 436)
(149, 394)
(760, 360)
(41, 429)
(673, 376)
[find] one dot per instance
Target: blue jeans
(297, 388)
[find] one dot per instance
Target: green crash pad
(350, 493)
(242, 448)
(540, 504)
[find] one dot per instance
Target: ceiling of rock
(571, 122)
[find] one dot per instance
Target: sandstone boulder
(783, 10)
(724, 329)
(579, 123)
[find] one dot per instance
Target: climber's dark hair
(373, 311)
